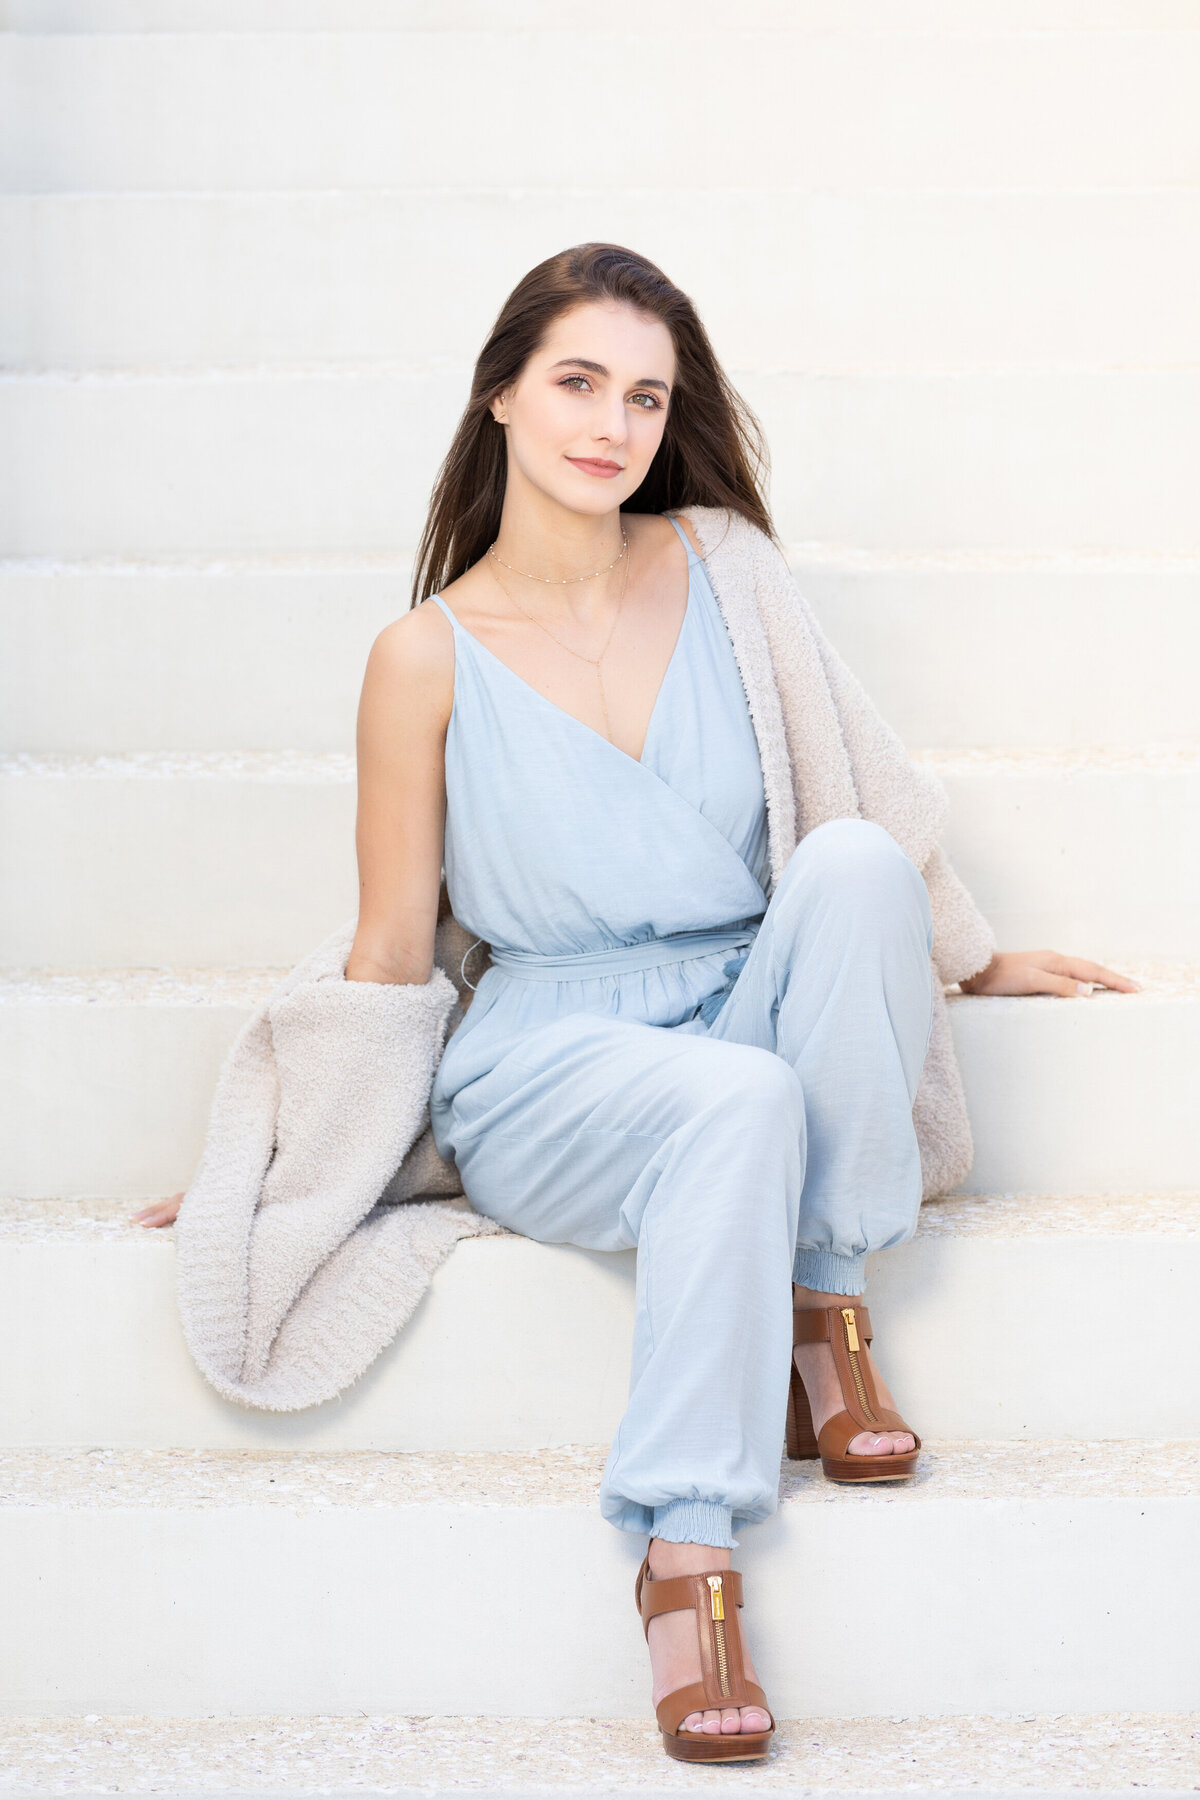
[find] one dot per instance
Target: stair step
(520, 1345)
(897, 281)
(911, 628)
(922, 16)
(1035, 1757)
(229, 858)
(265, 652)
(112, 1073)
(339, 457)
(1020, 1577)
(187, 858)
(107, 657)
(289, 110)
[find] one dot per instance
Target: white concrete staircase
(250, 251)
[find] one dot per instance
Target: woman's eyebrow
(595, 368)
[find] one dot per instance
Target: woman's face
(587, 412)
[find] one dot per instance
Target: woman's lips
(591, 466)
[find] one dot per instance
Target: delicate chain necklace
(594, 660)
(565, 580)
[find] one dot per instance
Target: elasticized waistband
(681, 946)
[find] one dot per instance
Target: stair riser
(108, 1099)
(239, 870)
(261, 659)
(522, 1346)
(265, 660)
(895, 281)
(303, 111)
(1063, 1100)
(175, 872)
(994, 1606)
(345, 460)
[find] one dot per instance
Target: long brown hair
(712, 453)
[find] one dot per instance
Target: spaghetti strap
(691, 554)
(438, 601)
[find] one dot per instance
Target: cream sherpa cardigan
(296, 1265)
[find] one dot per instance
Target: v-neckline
(639, 762)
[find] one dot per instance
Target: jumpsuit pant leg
(615, 1134)
(840, 984)
(703, 1150)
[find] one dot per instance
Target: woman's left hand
(1044, 972)
(162, 1212)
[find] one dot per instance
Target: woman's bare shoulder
(416, 643)
(410, 666)
(688, 527)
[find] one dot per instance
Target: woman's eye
(567, 381)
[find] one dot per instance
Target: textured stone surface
(137, 987)
(191, 765)
(1099, 759)
(297, 765)
(568, 1476)
(247, 986)
(1089, 1753)
(1164, 1215)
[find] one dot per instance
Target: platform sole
(694, 1746)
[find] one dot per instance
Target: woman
(657, 1056)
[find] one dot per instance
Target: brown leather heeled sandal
(715, 1595)
(845, 1328)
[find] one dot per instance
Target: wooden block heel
(715, 1595)
(801, 1438)
(845, 1329)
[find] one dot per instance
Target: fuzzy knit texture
(320, 1207)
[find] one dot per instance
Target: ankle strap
(825, 1324)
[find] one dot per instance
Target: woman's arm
(403, 712)
(407, 693)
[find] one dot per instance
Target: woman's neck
(557, 546)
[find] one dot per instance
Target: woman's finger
(163, 1212)
(1093, 971)
(1083, 970)
(1044, 982)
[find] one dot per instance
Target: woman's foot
(675, 1652)
(824, 1390)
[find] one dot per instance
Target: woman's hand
(1044, 972)
(163, 1212)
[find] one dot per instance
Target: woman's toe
(693, 1722)
(869, 1443)
(731, 1720)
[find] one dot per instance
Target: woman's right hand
(163, 1212)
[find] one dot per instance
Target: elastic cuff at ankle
(826, 1273)
(695, 1522)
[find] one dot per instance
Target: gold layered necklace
(595, 661)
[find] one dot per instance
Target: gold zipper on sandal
(717, 1608)
(852, 1349)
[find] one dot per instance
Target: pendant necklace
(594, 660)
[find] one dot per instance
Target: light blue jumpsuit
(659, 1058)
